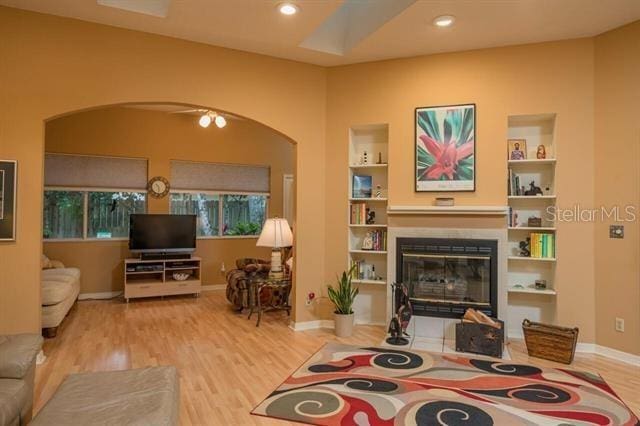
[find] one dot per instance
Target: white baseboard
(98, 296)
(618, 355)
(311, 325)
(214, 287)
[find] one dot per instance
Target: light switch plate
(616, 231)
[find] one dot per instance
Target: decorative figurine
(541, 152)
(541, 284)
(367, 242)
(371, 217)
(365, 158)
(378, 191)
(533, 189)
(524, 248)
(400, 322)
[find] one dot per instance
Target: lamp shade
(276, 233)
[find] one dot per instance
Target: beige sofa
(60, 289)
(17, 372)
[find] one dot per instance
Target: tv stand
(152, 278)
(164, 256)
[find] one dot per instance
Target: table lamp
(276, 234)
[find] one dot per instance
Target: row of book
(359, 213)
(542, 245)
(514, 184)
(512, 219)
(362, 270)
(375, 240)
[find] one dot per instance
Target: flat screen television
(162, 233)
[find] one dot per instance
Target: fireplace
(445, 276)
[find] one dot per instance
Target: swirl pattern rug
(369, 386)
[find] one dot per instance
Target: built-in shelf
(369, 141)
(533, 259)
(532, 228)
(529, 290)
(533, 161)
(532, 197)
(368, 251)
(374, 282)
(446, 210)
(368, 166)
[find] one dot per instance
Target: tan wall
(161, 137)
(52, 66)
(617, 183)
(543, 78)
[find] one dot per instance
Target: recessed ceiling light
(444, 21)
(288, 8)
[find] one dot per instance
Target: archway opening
(231, 173)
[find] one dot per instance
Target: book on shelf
(542, 245)
(514, 187)
(359, 212)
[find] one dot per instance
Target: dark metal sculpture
(400, 322)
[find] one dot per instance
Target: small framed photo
(517, 149)
(362, 186)
(8, 178)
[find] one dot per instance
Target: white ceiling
(256, 25)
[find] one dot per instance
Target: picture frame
(362, 186)
(445, 148)
(8, 195)
(516, 149)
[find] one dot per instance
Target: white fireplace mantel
(449, 210)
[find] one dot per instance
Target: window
(89, 214)
(108, 213)
(204, 206)
(241, 214)
(63, 214)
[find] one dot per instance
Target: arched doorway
(161, 133)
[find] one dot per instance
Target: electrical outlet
(620, 324)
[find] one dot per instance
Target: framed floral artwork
(445, 148)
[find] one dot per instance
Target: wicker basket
(549, 341)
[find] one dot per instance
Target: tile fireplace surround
(431, 333)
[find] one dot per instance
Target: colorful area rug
(352, 385)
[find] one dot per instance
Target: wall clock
(158, 187)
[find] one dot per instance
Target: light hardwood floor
(226, 364)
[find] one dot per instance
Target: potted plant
(342, 298)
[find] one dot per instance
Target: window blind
(188, 175)
(88, 171)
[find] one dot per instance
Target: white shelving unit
(370, 305)
(525, 301)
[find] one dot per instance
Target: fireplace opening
(445, 276)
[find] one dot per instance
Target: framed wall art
(8, 178)
(445, 138)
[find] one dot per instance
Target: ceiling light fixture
(288, 8)
(444, 21)
(210, 116)
(220, 121)
(205, 119)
